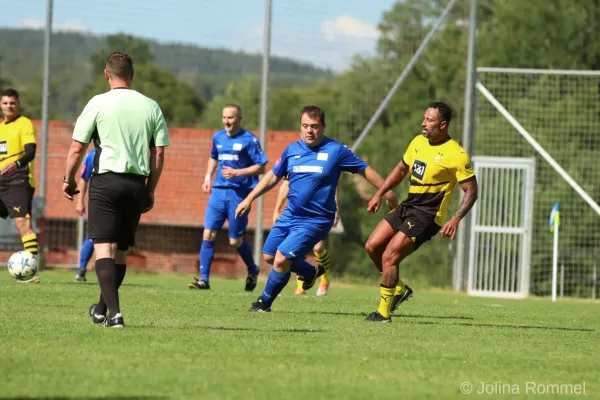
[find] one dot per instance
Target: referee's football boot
(199, 284)
(376, 317)
(307, 285)
(114, 322)
(400, 298)
(96, 318)
(251, 281)
(259, 306)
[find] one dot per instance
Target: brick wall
(169, 236)
(179, 197)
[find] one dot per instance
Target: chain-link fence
(194, 57)
(345, 60)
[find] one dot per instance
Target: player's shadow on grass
(362, 314)
(288, 330)
(504, 326)
(230, 328)
(85, 397)
(95, 283)
(74, 284)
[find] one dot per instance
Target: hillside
(209, 71)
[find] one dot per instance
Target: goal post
(553, 116)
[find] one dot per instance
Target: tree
(4, 82)
(138, 49)
(246, 93)
(550, 34)
(180, 104)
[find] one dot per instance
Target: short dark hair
(444, 110)
(10, 93)
(120, 65)
(233, 105)
(314, 112)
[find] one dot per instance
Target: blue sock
(275, 284)
(301, 267)
(207, 253)
(246, 254)
(87, 249)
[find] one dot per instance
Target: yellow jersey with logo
(14, 135)
(434, 170)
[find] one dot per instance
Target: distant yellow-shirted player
(17, 183)
(435, 164)
(320, 250)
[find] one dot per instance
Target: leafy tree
(246, 93)
(550, 34)
(4, 82)
(138, 49)
(180, 104)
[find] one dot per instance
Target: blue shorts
(221, 206)
(295, 237)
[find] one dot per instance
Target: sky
(326, 33)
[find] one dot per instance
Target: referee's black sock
(121, 270)
(106, 271)
(120, 275)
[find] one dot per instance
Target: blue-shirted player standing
(238, 160)
(87, 247)
(313, 166)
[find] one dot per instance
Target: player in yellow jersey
(17, 184)
(320, 250)
(435, 164)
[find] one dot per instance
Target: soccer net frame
(551, 115)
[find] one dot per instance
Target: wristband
(207, 178)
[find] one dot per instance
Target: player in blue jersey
(87, 247)
(313, 166)
(238, 159)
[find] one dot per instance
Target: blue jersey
(87, 167)
(240, 151)
(314, 173)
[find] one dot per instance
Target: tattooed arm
(470, 189)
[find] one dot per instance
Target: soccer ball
(22, 265)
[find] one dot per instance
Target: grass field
(180, 343)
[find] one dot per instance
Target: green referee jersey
(124, 125)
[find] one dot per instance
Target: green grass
(180, 343)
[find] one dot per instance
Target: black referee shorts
(414, 223)
(116, 202)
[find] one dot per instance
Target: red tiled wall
(179, 197)
(169, 236)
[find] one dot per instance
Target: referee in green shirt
(130, 135)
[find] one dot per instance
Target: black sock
(121, 270)
(120, 275)
(106, 272)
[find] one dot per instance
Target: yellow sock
(325, 277)
(323, 259)
(30, 243)
(298, 282)
(399, 287)
(385, 304)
